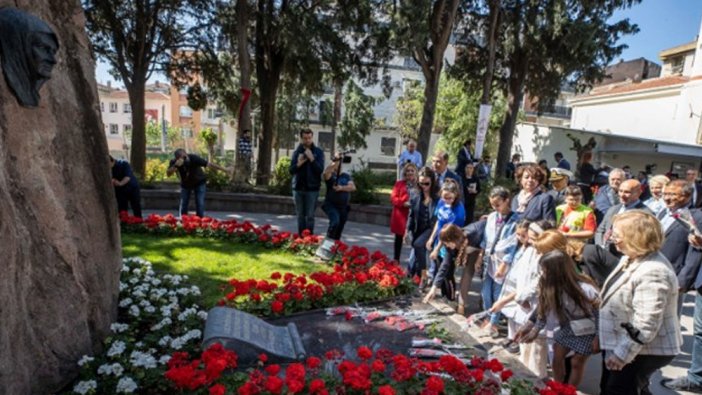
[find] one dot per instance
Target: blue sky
(663, 24)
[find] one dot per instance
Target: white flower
(122, 286)
(118, 328)
(164, 322)
(194, 334)
(139, 344)
(150, 309)
(134, 280)
(126, 385)
(195, 290)
(83, 387)
(187, 313)
(155, 282)
(85, 359)
(134, 311)
(125, 302)
(164, 341)
(115, 369)
(142, 359)
(117, 348)
(125, 269)
(202, 314)
(164, 359)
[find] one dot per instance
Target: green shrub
(281, 180)
(217, 180)
(365, 181)
(155, 171)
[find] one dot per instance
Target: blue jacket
(307, 177)
(412, 222)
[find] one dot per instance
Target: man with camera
(192, 178)
(339, 188)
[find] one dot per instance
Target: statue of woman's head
(27, 49)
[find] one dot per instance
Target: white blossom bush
(157, 316)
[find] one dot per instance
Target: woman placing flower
(531, 202)
(574, 219)
(400, 198)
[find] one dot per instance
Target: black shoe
(513, 348)
(682, 384)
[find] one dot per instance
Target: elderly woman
(574, 219)
(639, 325)
(401, 197)
(531, 202)
(656, 184)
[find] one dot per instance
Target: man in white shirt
(409, 155)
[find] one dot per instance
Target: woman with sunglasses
(420, 222)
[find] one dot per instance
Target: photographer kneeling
(336, 202)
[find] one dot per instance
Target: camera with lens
(344, 156)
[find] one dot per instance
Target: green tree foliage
(456, 114)
(357, 122)
(136, 37)
(422, 29)
(541, 45)
(174, 136)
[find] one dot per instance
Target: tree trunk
(492, 45)
(338, 91)
(431, 94)
(244, 123)
(514, 101)
(61, 252)
(136, 100)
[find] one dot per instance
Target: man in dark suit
(561, 162)
(606, 196)
(601, 258)
(692, 382)
(464, 157)
(677, 222)
(696, 198)
(440, 164)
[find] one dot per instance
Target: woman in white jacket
(639, 327)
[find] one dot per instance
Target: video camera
(344, 156)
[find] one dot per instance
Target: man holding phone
(306, 166)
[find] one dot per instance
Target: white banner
(481, 132)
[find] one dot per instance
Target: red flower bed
(245, 232)
(382, 372)
(356, 275)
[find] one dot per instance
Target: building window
(126, 108)
(126, 128)
(210, 113)
(186, 111)
(187, 133)
(677, 65)
(324, 141)
(113, 107)
(114, 128)
(102, 106)
(387, 146)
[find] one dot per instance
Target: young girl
(449, 211)
(570, 300)
(499, 246)
(456, 243)
(519, 298)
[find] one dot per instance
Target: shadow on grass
(211, 263)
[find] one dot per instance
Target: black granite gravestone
(250, 336)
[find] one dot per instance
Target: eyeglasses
(425, 184)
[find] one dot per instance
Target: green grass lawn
(210, 263)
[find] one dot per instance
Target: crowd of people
(573, 266)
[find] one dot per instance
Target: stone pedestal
(59, 234)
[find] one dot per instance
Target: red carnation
(386, 390)
(277, 306)
(217, 389)
(274, 385)
(364, 352)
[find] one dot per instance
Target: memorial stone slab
(250, 336)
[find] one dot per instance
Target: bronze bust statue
(27, 49)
